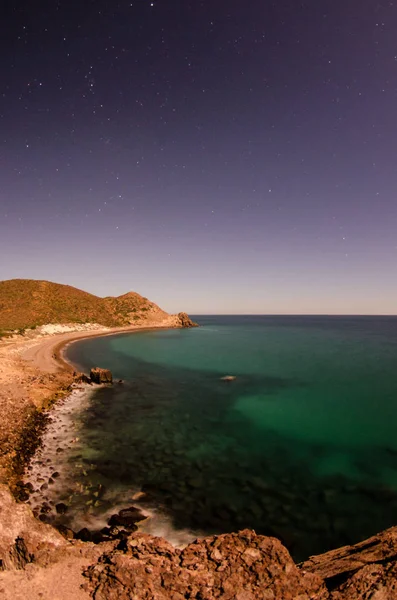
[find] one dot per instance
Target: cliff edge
(37, 562)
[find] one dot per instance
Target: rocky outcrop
(98, 375)
(37, 562)
(242, 566)
(185, 320)
(23, 539)
(363, 571)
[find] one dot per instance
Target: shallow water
(301, 445)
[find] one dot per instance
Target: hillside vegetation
(27, 303)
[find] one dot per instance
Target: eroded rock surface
(242, 566)
(365, 571)
(37, 562)
(23, 539)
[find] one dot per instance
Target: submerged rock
(98, 375)
(228, 378)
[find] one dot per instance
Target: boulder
(185, 320)
(127, 518)
(61, 508)
(23, 539)
(98, 375)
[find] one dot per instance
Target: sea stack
(98, 375)
(185, 320)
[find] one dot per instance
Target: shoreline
(37, 374)
(37, 561)
(59, 349)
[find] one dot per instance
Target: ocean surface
(301, 445)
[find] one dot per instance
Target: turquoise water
(302, 445)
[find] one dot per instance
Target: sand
(33, 371)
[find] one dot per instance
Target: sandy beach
(33, 374)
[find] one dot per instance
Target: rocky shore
(34, 375)
(36, 561)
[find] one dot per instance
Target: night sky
(227, 156)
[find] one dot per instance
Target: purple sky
(217, 157)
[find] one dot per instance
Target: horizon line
(194, 314)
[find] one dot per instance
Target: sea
(300, 444)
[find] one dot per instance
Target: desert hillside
(27, 303)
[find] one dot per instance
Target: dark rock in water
(22, 491)
(29, 487)
(66, 532)
(98, 375)
(61, 508)
(84, 535)
(44, 518)
(127, 518)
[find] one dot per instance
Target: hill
(27, 303)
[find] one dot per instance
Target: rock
(66, 532)
(81, 378)
(22, 537)
(139, 496)
(242, 566)
(348, 559)
(127, 518)
(228, 378)
(84, 535)
(61, 508)
(45, 508)
(375, 582)
(185, 320)
(98, 375)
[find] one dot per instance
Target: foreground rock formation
(37, 562)
(239, 566)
